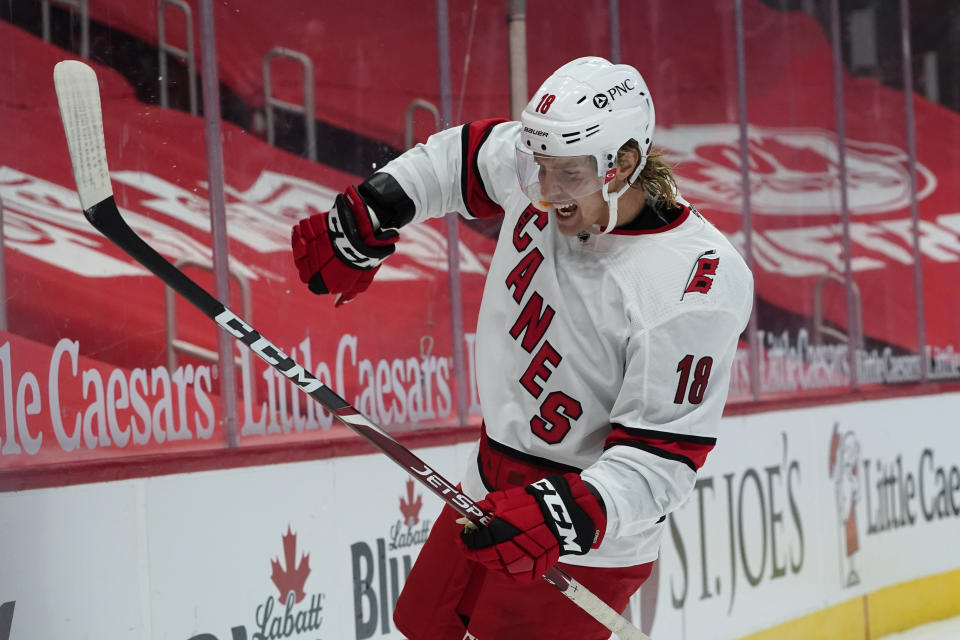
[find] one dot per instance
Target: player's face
(570, 188)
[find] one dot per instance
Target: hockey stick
(79, 100)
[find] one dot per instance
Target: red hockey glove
(339, 252)
(534, 525)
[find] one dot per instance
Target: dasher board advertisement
(794, 511)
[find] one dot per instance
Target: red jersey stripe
(473, 191)
(690, 450)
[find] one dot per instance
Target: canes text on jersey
(558, 408)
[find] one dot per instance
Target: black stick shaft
(105, 216)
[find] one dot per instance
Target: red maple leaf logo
(409, 507)
(290, 578)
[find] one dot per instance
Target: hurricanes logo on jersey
(702, 273)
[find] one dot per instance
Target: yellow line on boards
(842, 621)
(913, 603)
(885, 611)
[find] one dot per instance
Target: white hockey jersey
(609, 354)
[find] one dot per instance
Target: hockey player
(607, 329)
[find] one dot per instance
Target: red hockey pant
(444, 589)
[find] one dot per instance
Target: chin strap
(612, 199)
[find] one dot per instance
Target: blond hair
(657, 176)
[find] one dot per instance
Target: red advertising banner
(59, 406)
(91, 338)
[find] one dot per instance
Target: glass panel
(878, 170)
(92, 370)
(795, 195)
(479, 89)
(935, 38)
(388, 352)
(84, 354)
(694, 89)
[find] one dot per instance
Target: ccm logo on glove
(562, 522)
(346, 237)
(533, 526)
(340, 251)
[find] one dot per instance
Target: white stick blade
(79, 98)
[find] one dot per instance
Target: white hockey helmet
(584, 113)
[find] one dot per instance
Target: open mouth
(565, 210)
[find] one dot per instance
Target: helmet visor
(551, 179)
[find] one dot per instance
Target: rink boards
(811, 523)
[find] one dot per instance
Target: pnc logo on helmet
(600, 101)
